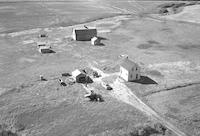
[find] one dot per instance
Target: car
(106, 86)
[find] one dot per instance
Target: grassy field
(180, 106)
(27, 15)
(48, 109)
(22, 15)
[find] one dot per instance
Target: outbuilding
(41, 43)
(79, 76)
(129, 70)
(45, 49)
(84, 33)
(95, 41)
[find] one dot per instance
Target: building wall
(134, 74)
(84, 34)
(130, 74)
(123, 73)
(44, 50)
(74, 35)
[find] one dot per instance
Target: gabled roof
(45, 47)
(77, 72)
(83, 28)
(128, 64)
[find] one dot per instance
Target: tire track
(123, 93)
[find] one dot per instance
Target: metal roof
(128, 64)
(77, 72)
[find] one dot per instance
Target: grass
(29, 15)
(62, 110)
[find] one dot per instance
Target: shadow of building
(145, 80)
(102, 38)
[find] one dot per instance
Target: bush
(142, 132)
(134, 132)
(7, 133)
(160, 128)
(147, 130)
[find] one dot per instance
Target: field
(165, 46)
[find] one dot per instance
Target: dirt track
(123, 93)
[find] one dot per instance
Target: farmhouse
(79, 76)
(129, 70)
(84, 34)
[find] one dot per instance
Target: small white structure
(95, 41)
(129, 70)
(84, 34)
(45, 49)
(79, 76)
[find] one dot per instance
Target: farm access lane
(123, 93)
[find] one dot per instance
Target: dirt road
(123, 93)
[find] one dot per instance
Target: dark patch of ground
(174, 7)
(153, 42)
(144, 46)
(188, 46)
(155, 73)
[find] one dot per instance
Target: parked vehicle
(106, 86)
(94, 97)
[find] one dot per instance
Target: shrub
(7, 133)
(142, 132)
(148, 130)
(134, 132)
(160, 128)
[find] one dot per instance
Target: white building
(129, 70)
(78, 76)
(84, 34)
(95, 41)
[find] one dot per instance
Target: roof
(44, 47)
(128, 64)
(76, 72)
(83, 28)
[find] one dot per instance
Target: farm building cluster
(129, 70)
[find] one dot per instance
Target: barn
(129, 70)
(79, 76)
(84, 34)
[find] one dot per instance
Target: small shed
(43, 35)
(129, 70)
(84, 34)
(95, 41)
(41, 43)
(45, 49)
(79, 76)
